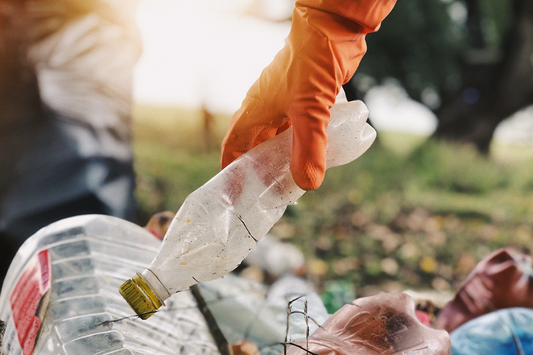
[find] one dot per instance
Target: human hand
(324, 48)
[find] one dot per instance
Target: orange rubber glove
(324, 48)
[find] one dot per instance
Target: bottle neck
(155, 285)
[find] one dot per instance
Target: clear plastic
(220, 223)
(383, 324)
(251, 311)
(89, 258)
(81, 311)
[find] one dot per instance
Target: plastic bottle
(59, 296)
(220, 223)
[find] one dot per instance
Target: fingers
(245, 126)
(252, 124)
(322, 52)
(308, 159)
(308, 169)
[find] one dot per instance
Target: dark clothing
(66, 70)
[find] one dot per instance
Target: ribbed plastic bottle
(60, 298)
(60, 295)
(220, 223)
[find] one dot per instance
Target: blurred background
(449, 85)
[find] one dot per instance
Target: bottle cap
(140, 297)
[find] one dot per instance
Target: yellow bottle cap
(140, 297)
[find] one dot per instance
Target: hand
(324, 48)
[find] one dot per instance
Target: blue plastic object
(504, 332)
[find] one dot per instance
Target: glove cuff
(367, 13)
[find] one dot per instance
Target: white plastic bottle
(220, 223)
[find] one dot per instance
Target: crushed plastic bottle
(503, 279)
(220, 223)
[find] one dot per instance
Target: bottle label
(28, 304)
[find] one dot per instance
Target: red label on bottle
(26, 297)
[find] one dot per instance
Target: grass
(410, 213)
(173, 156)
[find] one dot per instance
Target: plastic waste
(382, 324)
(503, 279)
(60, 295)
(220, 223)
(251, 311)
(65, 143)
(60, 298)
(337, 293)
(276, 258)
(504, 332)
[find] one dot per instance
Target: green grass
(409, 213)
(172, 156)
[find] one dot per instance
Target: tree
(470, 61)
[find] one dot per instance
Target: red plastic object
(503, 279)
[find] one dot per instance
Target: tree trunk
(495, 85)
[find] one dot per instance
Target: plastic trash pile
(492, 312)
(61, 297)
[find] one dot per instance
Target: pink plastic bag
(381, 324)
